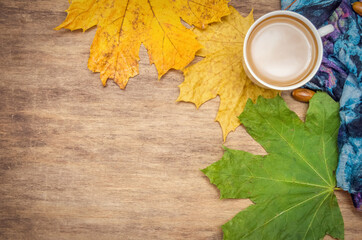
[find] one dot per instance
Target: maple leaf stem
(290, 5)
(337, 189)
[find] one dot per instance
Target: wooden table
(82, 161)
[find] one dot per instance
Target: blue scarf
(340, 76)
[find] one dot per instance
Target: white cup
(319, 50)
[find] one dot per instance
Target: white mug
(319, 50)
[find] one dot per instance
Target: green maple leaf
(293, 185)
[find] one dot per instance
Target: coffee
(281, 50)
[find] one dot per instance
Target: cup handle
(327, 29)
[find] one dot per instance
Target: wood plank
(82, 161)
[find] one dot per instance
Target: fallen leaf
(122, 26)
(293, 185)
(221, 72)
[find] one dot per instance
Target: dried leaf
(123, 25)
(293, 185)
(221, 72)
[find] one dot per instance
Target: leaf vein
(285, 211)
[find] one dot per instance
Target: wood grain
(82, 161)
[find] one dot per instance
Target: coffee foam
(281, 50)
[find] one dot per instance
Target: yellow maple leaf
(123, 25)
(221, 71)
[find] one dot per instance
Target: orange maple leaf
(123, 25)
(221, 72)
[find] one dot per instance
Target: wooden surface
(80, 161)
